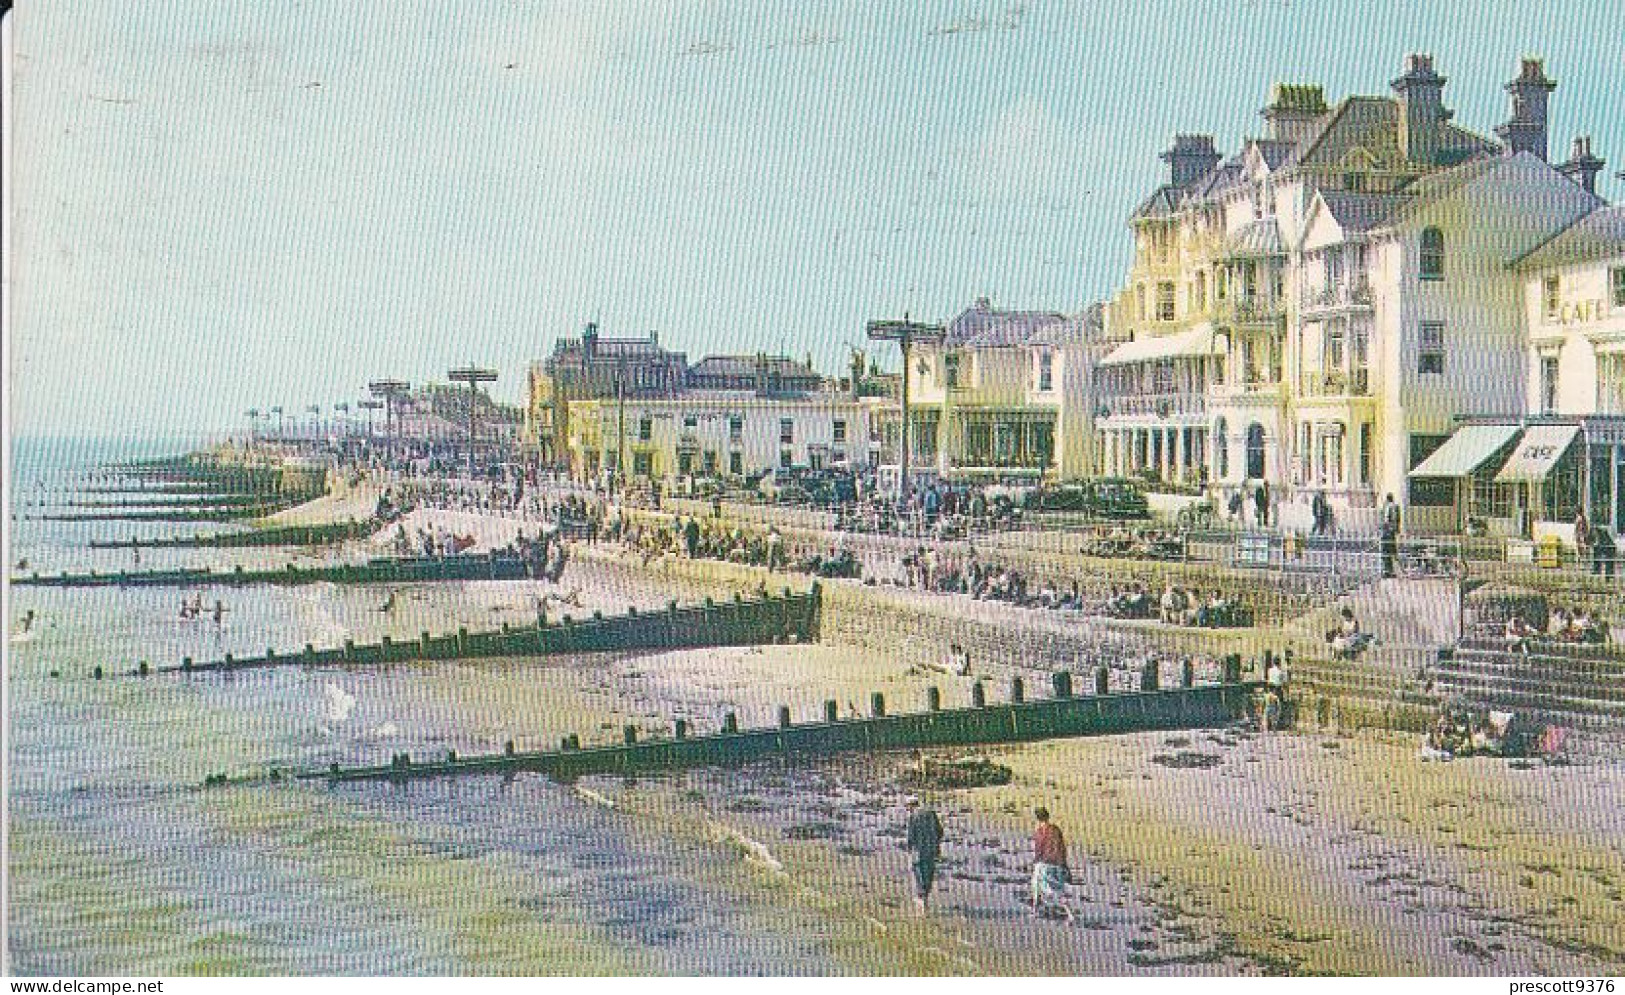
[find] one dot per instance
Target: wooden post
(730, 723)
(784, 716)
(1148, 676)
(682, 729)
(1062, 679)
(631, 735)
(933, 699)
(1103, 681)
(877, 705)
(978, 695)
(832, 712)
(1018, 691)
(1188, 674)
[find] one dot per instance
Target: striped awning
(1467, 450)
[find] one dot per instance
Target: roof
(1361, 211)
(1256, 238)
(1273, 152)
(1598, 235)
(1162, 202)
(1198, 341)
(980, 327)
(749, 365)
(1079, 329)
(1373, 123)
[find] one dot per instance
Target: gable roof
(748, 366)
(1163, 201)
(1256, 238)
(1598, 235)
(1373, 122)
(1079, 329)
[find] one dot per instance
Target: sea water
(121, 863)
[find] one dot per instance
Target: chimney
(1294, 110)
(589, 338)
(1189, 159)
(1526, 131)
(654, 338)
(1582, 166)
(984, 304)
(1421, 110)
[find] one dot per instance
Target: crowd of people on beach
(1564, 627)
(1177, 606)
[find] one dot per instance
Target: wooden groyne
(221, 513)
(789, 617)
(1017, 720)
(404, 570)
(280, 535)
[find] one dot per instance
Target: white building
(723, 434)
(1321, 309)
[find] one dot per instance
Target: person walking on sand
(925, 843)
(1049, 866)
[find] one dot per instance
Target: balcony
(1257, 310)
(1335, 383)
(1336, 297)
(1158, 405)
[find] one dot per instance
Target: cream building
(722, 434)
(1006, 394)
(1529, 476)
(1320, 309)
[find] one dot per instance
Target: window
(736, 428)
(646, 429)
(1046, 371)
(1334, 267)
(1554, 298)
(784, 459)
(691, 422)
(710, 463)
(838, 430)
(1430, 349)
(1165, 301)
(1432, 257)
(1548, 384)
(1429, 492)
(950, 371)
(736, 463)
(1199, 303)
(685, 464)
(1354, 182)
(1617, 279)
(1365, 452)
(1255, 451)
(787, 431)
(1221, 283)
(642, 464)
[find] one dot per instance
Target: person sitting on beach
(1518, 634)
(1347, 640)
(1173, 603)
(1215, 611)
(1561, 625)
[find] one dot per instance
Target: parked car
(1103, 497)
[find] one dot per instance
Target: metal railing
(1337, 295)
(1162, 405)
(1335, 383)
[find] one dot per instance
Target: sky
(222, 205)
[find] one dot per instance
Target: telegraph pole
(473, 376)
(905, 333)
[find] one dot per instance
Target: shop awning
(1539, 450)
(1466, 451)
(1198, 341)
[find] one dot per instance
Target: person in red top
(1049, 866)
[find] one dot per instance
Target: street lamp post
(473, 376)
(905, 333)
(278, 412)
(391, 392)
(253, 424)
(369, 406)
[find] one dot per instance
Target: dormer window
(1432, 255)
(1553, 297)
